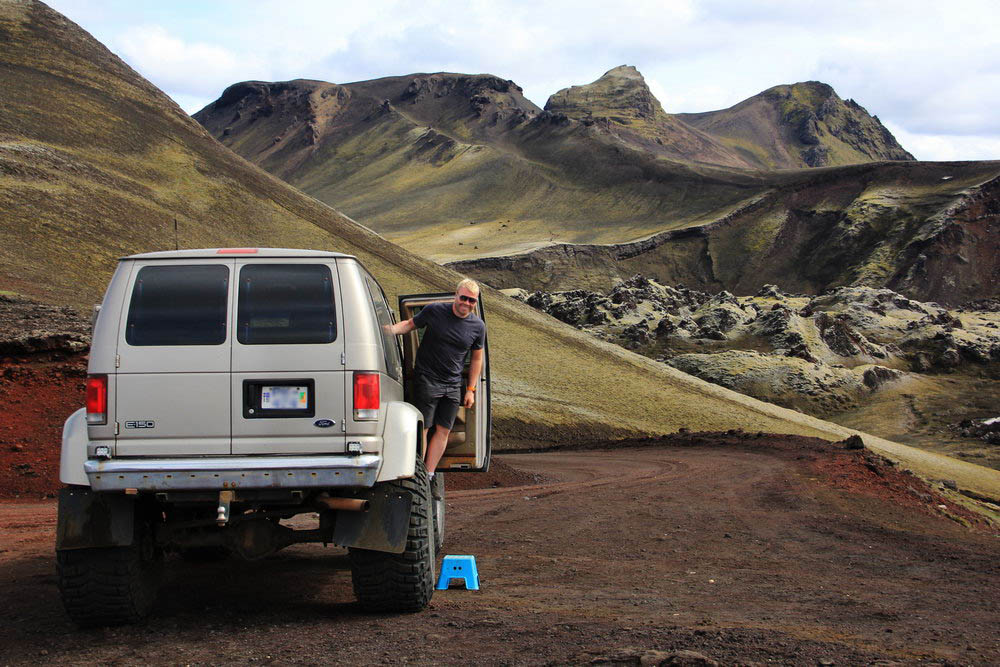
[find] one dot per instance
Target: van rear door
(172, 384)
(288, 365)
(469, 448)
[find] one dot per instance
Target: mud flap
(88, 519)
(384, 527)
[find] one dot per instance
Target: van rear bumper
(233, 472)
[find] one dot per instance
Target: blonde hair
(469, 284)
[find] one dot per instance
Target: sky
(929, 70)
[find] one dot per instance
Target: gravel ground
(741, 549)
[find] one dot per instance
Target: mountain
(785, 127)
(603, 184)
(285, 124)
(622, 102)
(801, 125)
(452, 164)
(97, 163)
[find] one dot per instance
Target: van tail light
(366, 396)
(97, 399)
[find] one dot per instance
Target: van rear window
(178, 305)
(286, 304)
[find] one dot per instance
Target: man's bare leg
(436, 447)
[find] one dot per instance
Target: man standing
(452, 330)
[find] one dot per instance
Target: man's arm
(475, 368)
(399, 328)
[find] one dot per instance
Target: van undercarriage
(246, 522)
(110, 544)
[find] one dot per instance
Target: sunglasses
(468, 299)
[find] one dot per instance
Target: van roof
(236, 252)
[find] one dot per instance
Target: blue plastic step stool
(459, 567)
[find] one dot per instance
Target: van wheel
(110, 585)
(402, 582)
(437, 494)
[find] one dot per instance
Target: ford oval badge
(324, 423)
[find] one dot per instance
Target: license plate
(284, 398)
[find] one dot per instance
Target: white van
(231, 389)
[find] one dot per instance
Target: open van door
(468, 447)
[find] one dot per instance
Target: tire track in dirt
(760, 526)
(739, 551)
(582, 470)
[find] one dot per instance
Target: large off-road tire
(111, 585)
(403, 582)
(437, 494)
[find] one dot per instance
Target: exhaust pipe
(346, 504)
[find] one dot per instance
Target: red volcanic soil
(37, 393)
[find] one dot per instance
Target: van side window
(178, 305)
(286, 304)
(390, 348)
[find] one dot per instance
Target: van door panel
(282, 363)
(173, 399)
(469, 448)
(187, 420)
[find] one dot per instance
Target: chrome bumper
(242, 472)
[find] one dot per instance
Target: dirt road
(750, 550)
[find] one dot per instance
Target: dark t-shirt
(448, 338)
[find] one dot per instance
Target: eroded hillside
(453, 165)
(801, 125)
(604, 183)
(622, 103)
(930, 230)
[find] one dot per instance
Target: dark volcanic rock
(844, 339)
(770, 291)
(854, 442)
(876, 376)
(28, 327)
(984, 429)
(784, 351)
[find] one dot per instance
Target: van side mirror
(93, 315)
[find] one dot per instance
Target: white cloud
(189, 69)
(945, 147)
(932, 69)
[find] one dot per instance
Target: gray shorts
(438, 402)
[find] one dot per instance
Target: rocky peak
(441, 85)
(266, 93)
(624, 72)
(484, 93)
(295, 101)
(812, 111)
(285, 108)
(620, 92)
